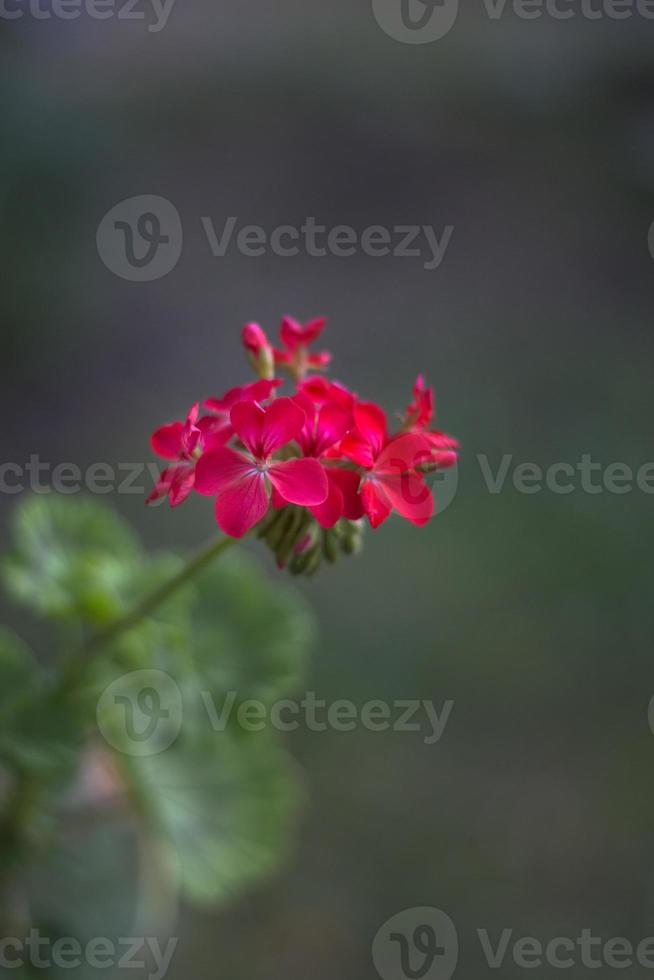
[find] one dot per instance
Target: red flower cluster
(323, 453)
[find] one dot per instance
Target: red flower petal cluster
(321, 453)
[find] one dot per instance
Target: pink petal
(312, 330)
(332, 510)
(254, 338)
(409, 495)
(300, 481)
(162, 486)
(247, 418)
(348, 482)
(181, 485)
(320, 359)
(283, 422)
(290, 333)
(258, 391)
(357, 449)
(242, 505)
(215, 432)
(370, 421)
(276, 499)
(220, 469)
(441, 440)
(403, 453)
(167, 441)
(333, 423)
(375, 503)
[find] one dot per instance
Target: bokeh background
(533, 613)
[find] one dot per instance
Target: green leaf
(35, 734)
(70, 558)
(223, 806)
(249, 635)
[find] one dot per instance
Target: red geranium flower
(258, 391)
(185, 442)
(418, 416)
(390, 480)
(241, 481)
(324, 427)
(296, 340)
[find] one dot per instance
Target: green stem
(133, 617)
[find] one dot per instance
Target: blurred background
(534, 139)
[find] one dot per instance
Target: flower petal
(162, 486)
(300, 481)
(181, 485)
(333, 423)
(247, 418)
(403, 454)
(331, 510)
(220, 469)
(258, 391)
(167, 440)
(409, 495)
(357, 449)
(283, 422)
(375, 503)
(370, 420)
(242, 505)
(348, 482)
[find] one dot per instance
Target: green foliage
(223, 804)
(69, 558)
(37, 735)
(214, 807)
(248, 636)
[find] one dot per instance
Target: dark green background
(532, 612)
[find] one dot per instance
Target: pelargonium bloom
(418, 416)
(258, 391)
(325, 425)
(391, 479)
(304, 469)
(241, 481)
(296, 340)
(184, 442)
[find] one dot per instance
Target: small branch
(133, 617)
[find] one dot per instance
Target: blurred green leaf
(36, 735)
(70, 558)
(223, 806)
(249, 635)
